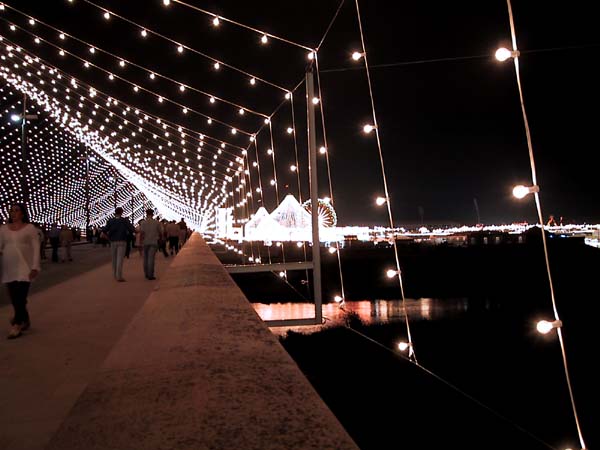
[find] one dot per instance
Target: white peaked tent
(291, 214)
(263, 228)
(260, 215)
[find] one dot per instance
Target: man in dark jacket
(118, 229)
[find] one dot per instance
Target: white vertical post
(314, 194)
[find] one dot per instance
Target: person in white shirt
(19, 245)
(150, 234)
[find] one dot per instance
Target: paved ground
(78, 313)
(179, 363)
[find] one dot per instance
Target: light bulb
(288, 95)
(267, 120)
(107, 15)
(282, 274)
(502, 54)
(356, 56)
(217, 66)
(322, 150)
(544, 327)
(391, 273)
(166, 2)
(332, 250)
(216, 22)
(209, 121)
(122, 63)
(403, 346)
(241, 111)
(293, 168)
(264, 39)
(212, 100)
(144, 33)
(92, 50)
(315, 100)
(15, 118)
(337, 299)
(290, 130)
(180, 48)
(311, 55)
(368, 128)
(521, 191)
(233, 131)
(299, 244)
(272, 182)
(31, 22)
(61, 35)
(252, 81)
(380, 201)
(181, 87)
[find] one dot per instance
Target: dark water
(484, 344)
(488, 350)
(368, 311)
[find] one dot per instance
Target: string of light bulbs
(123, 62)
(543, 326)
(183, 47)
(397, 273)
(137, 87)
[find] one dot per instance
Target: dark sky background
(451, 130)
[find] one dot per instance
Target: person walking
(66, 240)
(54, 235)
(138, 237)
(117, 230)
(173, 233)
(151, 231)
(20, 248)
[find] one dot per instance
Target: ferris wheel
(327, 215)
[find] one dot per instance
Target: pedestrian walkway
(188, 365)
(74, 326)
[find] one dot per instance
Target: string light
(31, 22)
(322, 150)
(216, 22)
(380, 201)
(252, 81)
(521, 191)
(391, 273)
(290, 130)
(264, 39)
(315, 100)
(180, 48)
(544, 327)
(107, 15)
(217, 66)
(356, 56)
(368, 128)
(502, 54)
(144, 33)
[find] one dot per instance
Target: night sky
(451, 129)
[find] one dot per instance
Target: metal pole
(314, 194)
(24, 186)
(132, 207)
(87, 191)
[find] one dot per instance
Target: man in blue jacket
(118, 229)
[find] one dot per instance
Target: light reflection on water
(369, 311)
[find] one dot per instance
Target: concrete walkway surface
(189, 365)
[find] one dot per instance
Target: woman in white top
(19, 245)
